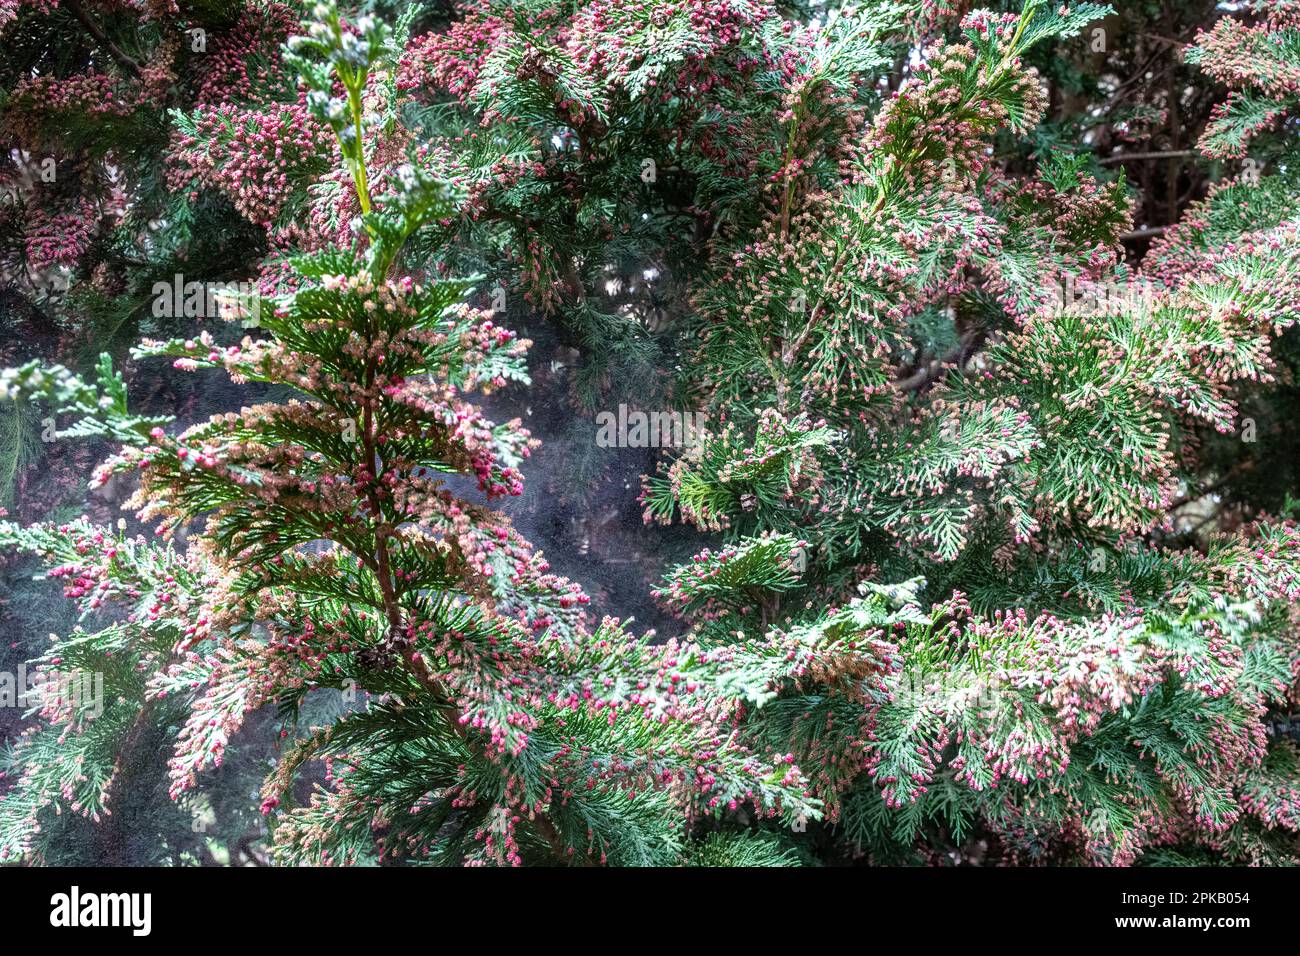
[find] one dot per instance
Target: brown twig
(930, 371)
(245, 846)
(1158, 154)
(95, 30)
(1240, 468)
(1137, 234)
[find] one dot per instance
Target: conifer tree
(995, 552)
(331, 555)
(1064, 680)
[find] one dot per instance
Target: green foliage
(893, 254)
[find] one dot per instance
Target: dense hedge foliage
(962, 339)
